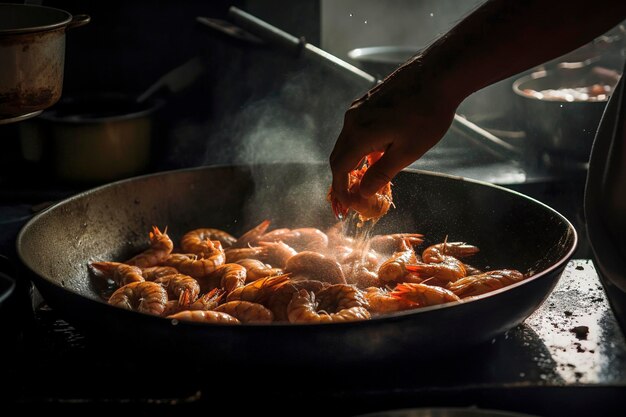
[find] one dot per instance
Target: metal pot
(556, 125)
(32, 52)
(92, 139)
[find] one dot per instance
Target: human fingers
(385, 169)
(345, 157)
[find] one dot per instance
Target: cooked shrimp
(380, 301)
(190, 264)
(276, 253)
(199, 316)
(303, 309)
(247, 312)
(359, 257)
(185, 301)
(251, 237)
(372, 208)
(236, 254)
(144, 297)
(472, 270)
(316, 266)
(121, 274)
(395, 269)
(305, 238)
(231, 276)
(393, 242)
(340, 297)
(160, 247)
(155, 272)
(450, 269)
(361, 276)
(423, 295)
(176, 284)
(195, 241)
(280, 299)
(485, 282)
(257, 269)
(438, 253)
(258, 291)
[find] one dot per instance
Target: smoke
(285, 139)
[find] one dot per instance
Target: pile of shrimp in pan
(299, 275)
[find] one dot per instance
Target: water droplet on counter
(350, 15)
(365, 21)
(432, 14)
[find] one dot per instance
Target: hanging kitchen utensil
(176, 80)
(307, 51)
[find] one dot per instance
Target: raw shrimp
(314, 265)
(395, 269)
(372, 208)
(489, 281)
(200, 316)
(160, 247)
(155, 272)
(251, 237)
(340, 297)
(195, 241)
(423, 295)
(439, 252)
(247, 312)
(450, 269)
(380, 301)
(190, 264)
(257, 269)
(393, 242)
(121, 274)
(176, 284)
(144, 297)
(303, 309)
(231, 276)
(258, 291)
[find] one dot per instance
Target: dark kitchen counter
(569, 353)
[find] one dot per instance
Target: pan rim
(561, 263)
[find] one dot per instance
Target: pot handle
(78, 21)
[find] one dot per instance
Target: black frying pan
(111, 223)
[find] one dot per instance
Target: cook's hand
(403, 116)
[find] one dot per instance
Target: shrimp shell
(340, 297)
(120, 273)
(246, 312)
(160, 247)
(423, 295)
(483, 283)
(256, 269)
(380, 301)
(258, 291)
(144, 297)
(393, 242)
(190, 264)
(252, 235)
(316, 266)
(176, 284)
(155, 272)
(194, 240)
(303, 309)
(437, 253)
(394, 269)
(231, 276)
(199, 316)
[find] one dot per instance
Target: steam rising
(296, 124)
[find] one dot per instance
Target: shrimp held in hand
(371, 208)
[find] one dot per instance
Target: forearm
(504, 37)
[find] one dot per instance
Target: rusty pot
(32, 52)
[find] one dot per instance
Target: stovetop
(569, 352)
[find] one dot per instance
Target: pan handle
(78, 21)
